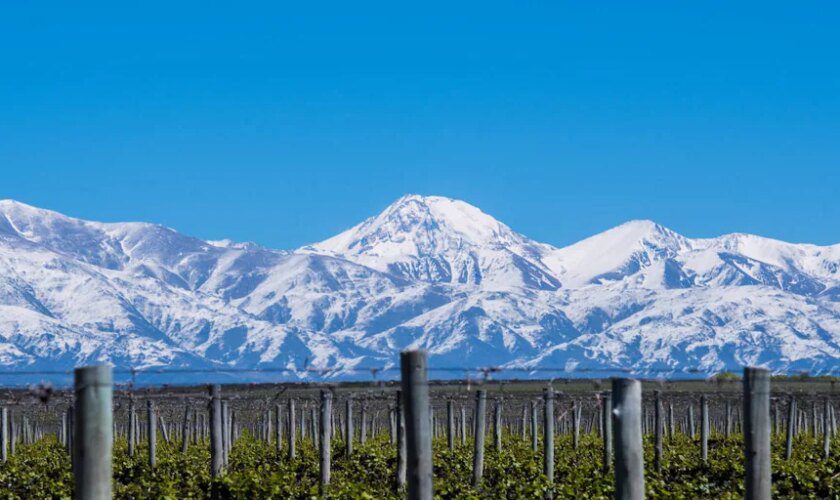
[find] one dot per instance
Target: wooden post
(313, 426)
(728, 427)
(348, 422)
(691, 427)
(401, 447)
(4, 436)
(478, 444)
(151, 430)
(185, 429)
(671, 421)
(534, 443)
(93, 430)
(497, 426)
(226, 432)
(627, 435)
(548, 435)
(450, 424)
(463, 426)
(132, 425)
(657, 431)
(216, 442)
(575, 425)
(826, 428)
(757, 433)
(363, 424)
(278, 426)
(71, 427)
(704, 428)
(326, 435)
(415, 388)
(392, 426)
(791, 428)
(292, 429)
(606, 418)
(164, 429)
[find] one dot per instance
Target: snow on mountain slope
(616, 253)
(435, 239)
(426, 272)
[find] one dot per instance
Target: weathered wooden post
(575, 425)
(691, 427)
(185, 429)
(826, 428)
(548, 435)
(132, 425)
(401, 446)
(216, 443)
(292, 429)
(657, 411)
(757, 433)
(93, 431)
(671, 430)
(497, 426)
(791, 428)
(326, 435)
(478, 443)
(197, 432)
(463, 426)
(226, 431)
(62, 439)
(728, 427)
(415, 388)
(392, 426)
(278, 426)
(627, 435)
(4, 433)
(450, 424)
(363, 424)
(606, 418)
(151, 430)
(70, 431)
(704, 428)
(164, 429)
(313, 423)
(348, 423)
(534, 440)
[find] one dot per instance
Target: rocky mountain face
(427, 272)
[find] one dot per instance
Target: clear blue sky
(286, 122)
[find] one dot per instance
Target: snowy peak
(616, 253)
(416, 224)
(437, 239)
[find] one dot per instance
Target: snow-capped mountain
(427, 272)
(435, 239)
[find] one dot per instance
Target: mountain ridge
(427, 272)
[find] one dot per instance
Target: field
(257, 466)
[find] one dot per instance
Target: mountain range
(428, 272)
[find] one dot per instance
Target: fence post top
(97, 374)
(756, 371)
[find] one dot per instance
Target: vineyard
(488, 440)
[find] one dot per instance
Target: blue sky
(284, 123)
